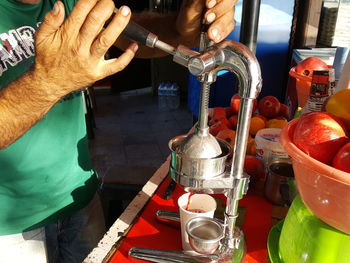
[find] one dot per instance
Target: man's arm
(184, 27)
(69, 56)
(22, 104)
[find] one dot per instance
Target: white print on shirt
(16, 46)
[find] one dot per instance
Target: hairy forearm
(23, 103)
(164, 26)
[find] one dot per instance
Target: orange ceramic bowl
(324, 189)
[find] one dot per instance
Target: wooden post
(308, 22)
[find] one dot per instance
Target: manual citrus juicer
(198, 160)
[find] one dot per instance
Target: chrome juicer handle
(137, 33)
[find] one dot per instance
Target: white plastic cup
(202, 202)
(268, 145)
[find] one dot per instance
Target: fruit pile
(268, 112)
(325, 135)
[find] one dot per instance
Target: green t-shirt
(46, 174)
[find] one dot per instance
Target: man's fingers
(110, 34)
(52, 22)
(116, 65)
(78, 15)
(222, 27)
(218, 10)
(220, 16)
(94, 22)
(212, 3)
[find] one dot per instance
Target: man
(47, 184)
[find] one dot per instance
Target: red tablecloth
(147, 232)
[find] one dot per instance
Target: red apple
(269, 106)
(320, 135)
(217, 112)
(235, 101)
(229, 112)
(284, 111)
(233, 121)
(308, 65)
(215, 128)
(222, 120)
(341, 160)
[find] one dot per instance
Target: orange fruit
(339, 105)
(227, 135)
(256, 123)
(276, 123)
(251, 146)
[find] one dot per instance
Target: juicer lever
(181, 54)
(139, 34)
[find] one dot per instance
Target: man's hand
(71, 53)
(218, 13)
(69, 56)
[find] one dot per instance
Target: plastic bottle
(167, 93)
(322, 87)
(173, 96)
(162, 97)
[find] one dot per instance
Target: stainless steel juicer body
(238, 59)
(198, 160)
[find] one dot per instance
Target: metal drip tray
(215, 185)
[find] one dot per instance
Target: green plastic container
(272, 243)
(305, 238)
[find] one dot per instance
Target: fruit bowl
(324, 189)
